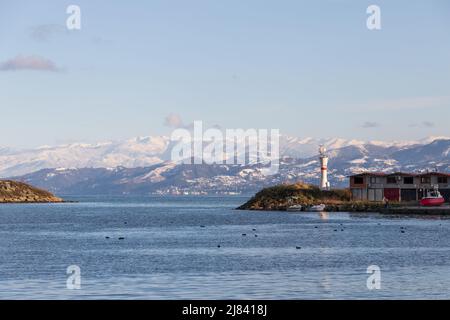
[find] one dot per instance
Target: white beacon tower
(324, 184)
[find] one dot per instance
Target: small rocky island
(282, 197)
(19, 192)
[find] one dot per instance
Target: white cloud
(370, 124)
(45, 32)
(424, 124)
(173, 120)
(28, 63)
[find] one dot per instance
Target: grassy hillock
(19, 192)
(282, 196)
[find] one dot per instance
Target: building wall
(413, 188)
(400, 182)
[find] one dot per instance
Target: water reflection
(323, 216)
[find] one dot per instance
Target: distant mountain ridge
(166, 177)
(143, 151)
(148, 151)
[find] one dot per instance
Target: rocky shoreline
(19, 192)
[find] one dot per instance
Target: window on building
(375, 180)
(425, 180)
(358, 180)
(443, 180)
(408, 180)
(391, 180)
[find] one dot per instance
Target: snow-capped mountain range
(142, 165)
(147, 151)
(136, 152)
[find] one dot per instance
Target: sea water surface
(201, 248)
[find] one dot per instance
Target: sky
(308, 68)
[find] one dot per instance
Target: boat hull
(318, 208)
(432, 202)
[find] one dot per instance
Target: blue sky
(309, 68)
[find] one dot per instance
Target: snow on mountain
(136, 152)
(153, 150)
(307, 147)
(156, 175)
(170, 178)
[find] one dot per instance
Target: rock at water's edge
(19, 192)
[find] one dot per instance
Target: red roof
(377, 174)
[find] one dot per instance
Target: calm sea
(170, 250)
